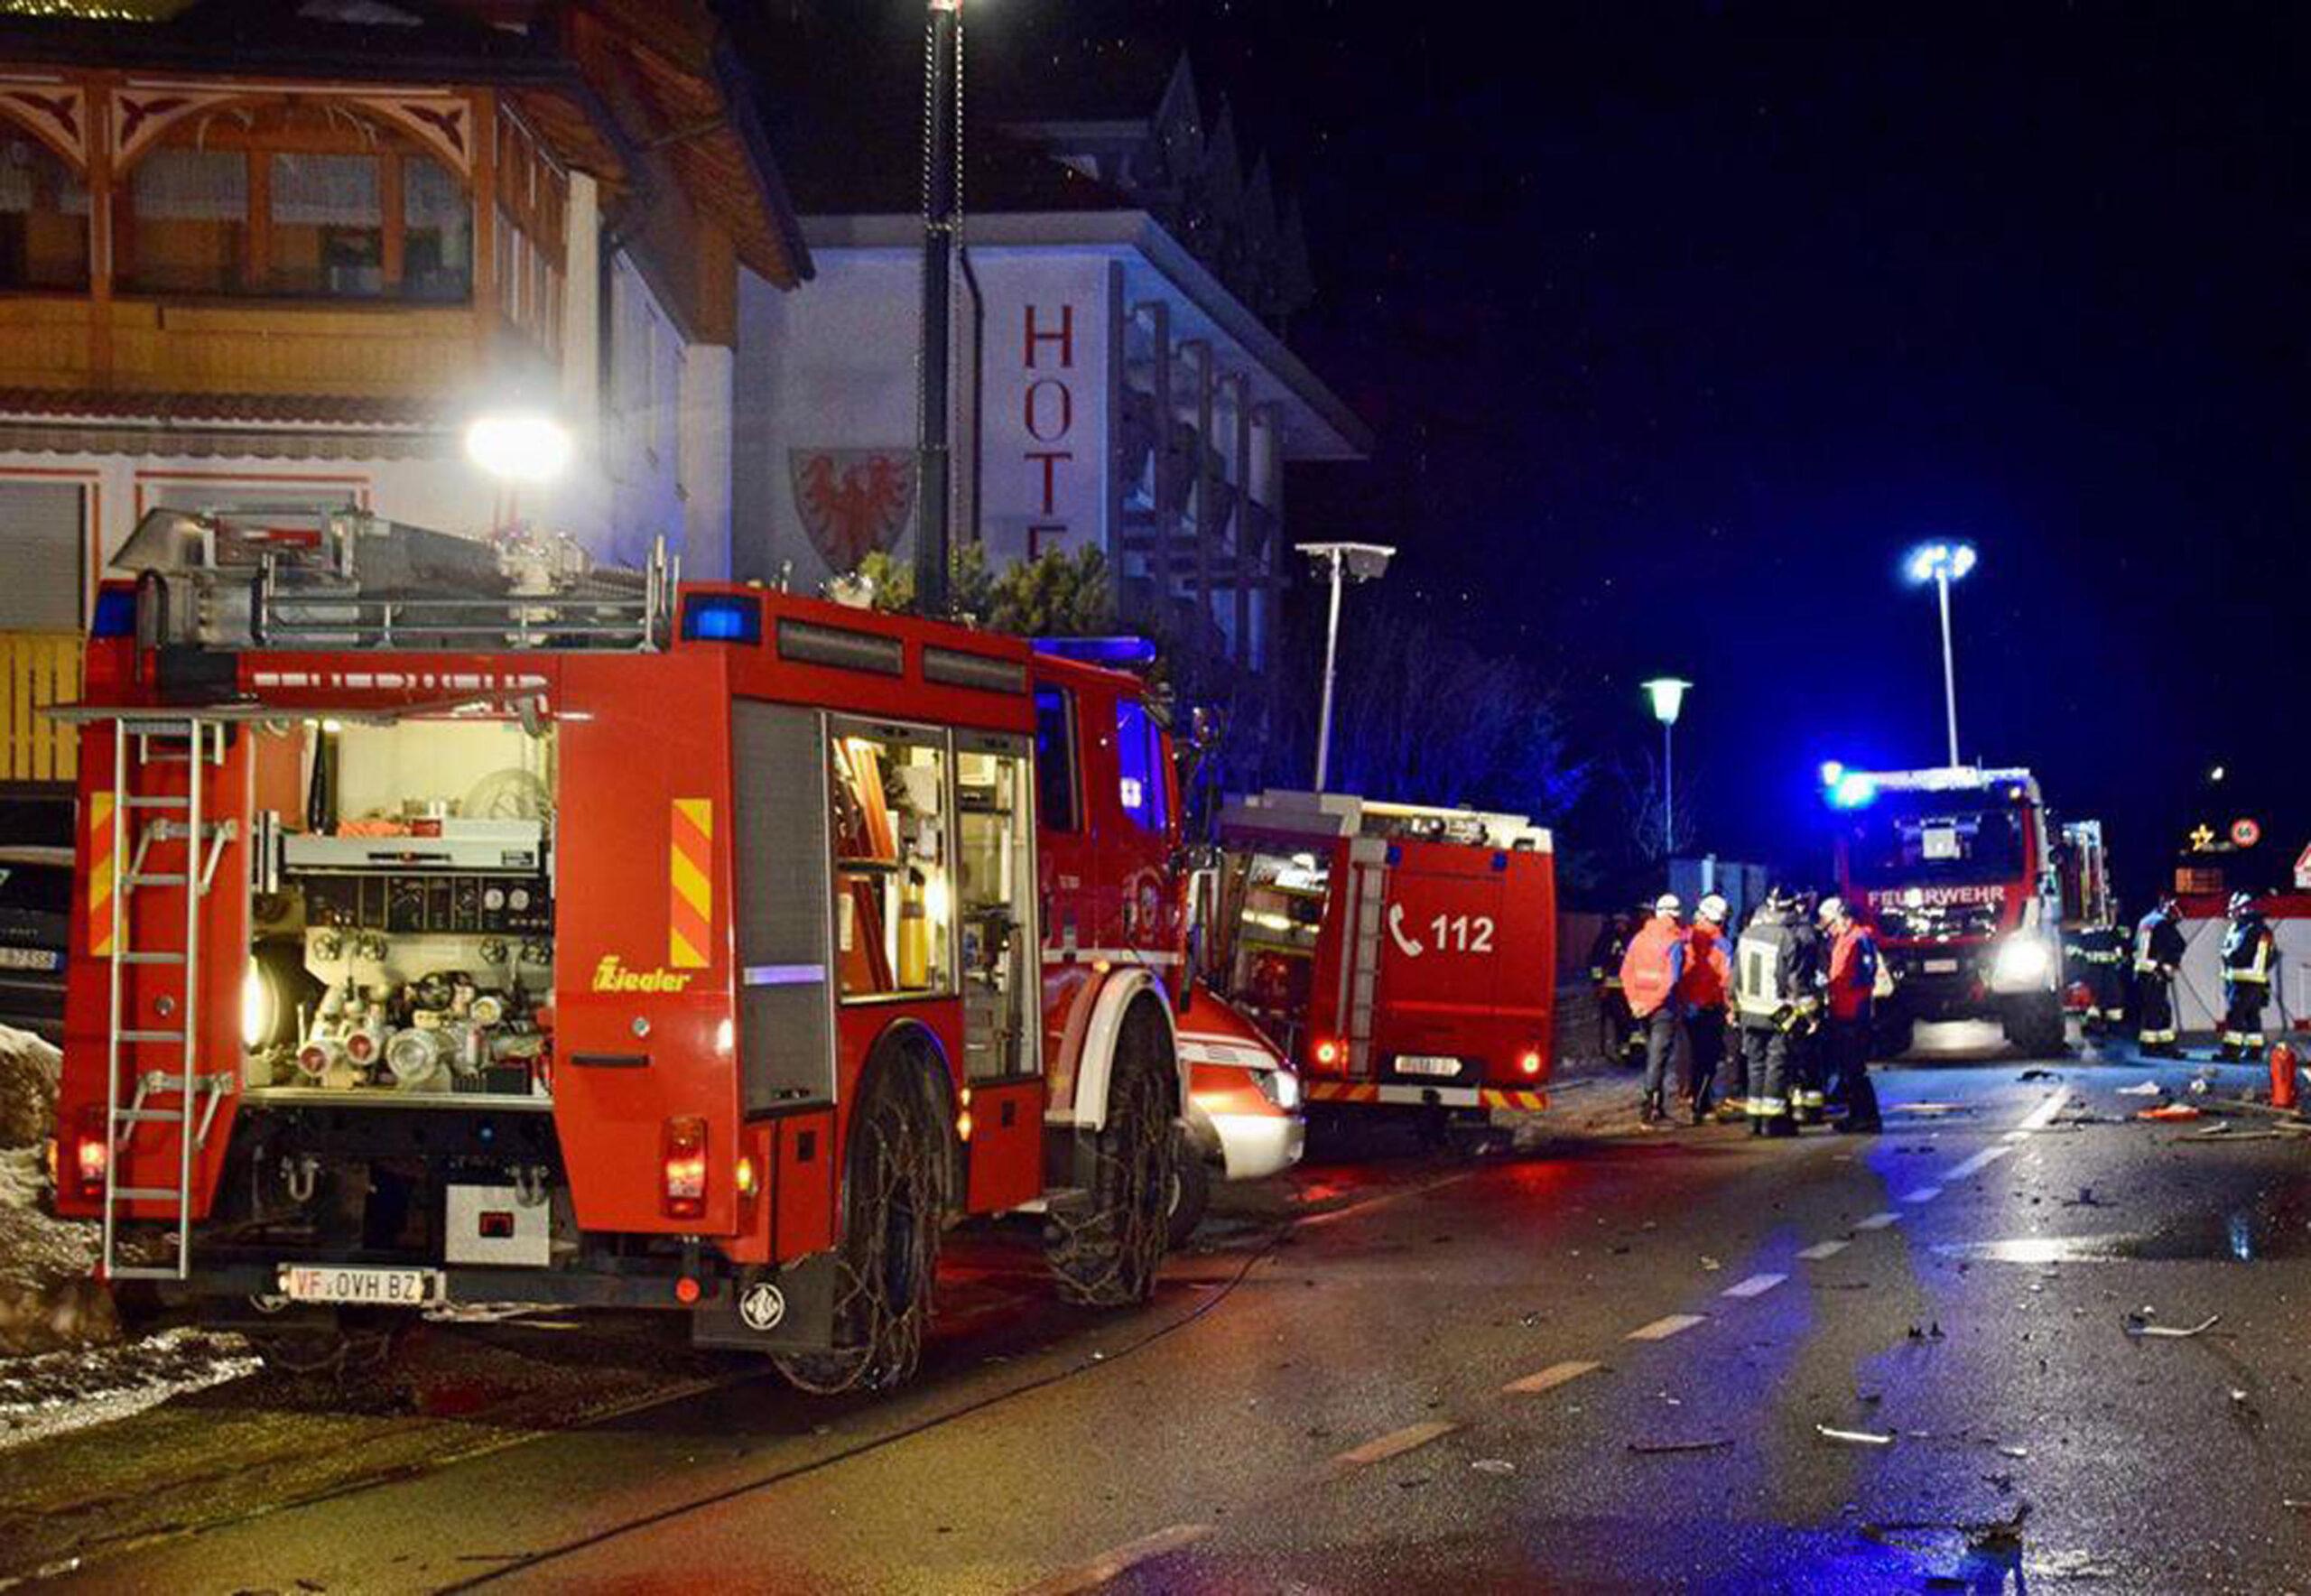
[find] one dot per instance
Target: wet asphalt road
(1599, 1364)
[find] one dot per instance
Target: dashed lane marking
(1109, 1565)
(1394, 1443)
(1662, 1329)
(1551, 1378)
(1977, 1163)
(1823, 1249)
(2044, 1114)
(1923, 1194)
(1755, 1285)
(1879, 1222)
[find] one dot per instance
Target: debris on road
(1853, 1437)
(2170, 1111)
(1931, 1108)
(2038, 1074)
(1658, 1447)
(1933, 1333)
(2143, 1089)
(2138, 1325)
(2085, 1199)
(1494, 1466)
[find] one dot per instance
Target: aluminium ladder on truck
(154, 1023)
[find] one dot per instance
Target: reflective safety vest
(2247, 952)
(1765, 974)
(2158, 944)
(1653, 966)
(1853, 973)
(1707, 975)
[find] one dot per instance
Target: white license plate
(1940, 967)
(30, 959)
(1426, 1065)
(386, 1288)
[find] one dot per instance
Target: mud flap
(785, 1311)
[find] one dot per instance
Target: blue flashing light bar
(722, 617)
(1854, 789)
(114, 614)
(1122, 654)
(1833, 773)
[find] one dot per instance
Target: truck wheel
(2035, 1024)
(1190, 1193)
(1105, 1254)
(886, 1259)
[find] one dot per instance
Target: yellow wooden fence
(40, 668)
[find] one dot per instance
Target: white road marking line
(1549, 1379)
(1923, 1194)
(2018, 1135)
(1109, 1565)
(1393, 1443)
(1977, 1163)
(1877, 1222)
(1825, 1249)
(1662, 1329)
(1755, 1285)
(2044, 1114)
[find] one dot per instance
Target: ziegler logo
(610, 976)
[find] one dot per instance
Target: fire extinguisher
(2284, 1060)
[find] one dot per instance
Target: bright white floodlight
(1668, 696)
(519, 446)
(1942, 564)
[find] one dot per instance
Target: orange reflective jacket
(1655, 962)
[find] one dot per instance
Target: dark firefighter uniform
(2158, 956)
(2105, 949)
(1850, 994)
(1771, 988)
(1615, 1028)
(2248, 956)
(1651, 973)
(1806, 1045)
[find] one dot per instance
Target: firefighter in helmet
(2248, 950)
(1614, 1027)
(1770, 988)
(1850, 993)
(2107, 961)
(1651, 972)
(1702, 990)
(2158, 957)
(1806, 1047)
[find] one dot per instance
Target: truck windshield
(1892, 847)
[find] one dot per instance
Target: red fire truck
(457, 922)
(1404, 957)
(1956, 869)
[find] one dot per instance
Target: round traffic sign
(2245, 832)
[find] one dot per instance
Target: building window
(329, 227)
(304, 202)
(189, 223)
(43, 218)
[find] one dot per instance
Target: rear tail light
(1328, 1052)
(1530, 1061)
(91, 1156)
(683, 1168)
(361, 1047)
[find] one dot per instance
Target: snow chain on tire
(1106, 1255)
(888, 1259)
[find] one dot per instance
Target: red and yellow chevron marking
(1531, 1102)
(1342, 1091)
(690, 861)
(100, 874)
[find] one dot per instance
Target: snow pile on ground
(71, 1390)
(48, 1299)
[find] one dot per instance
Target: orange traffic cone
(2283, 1065)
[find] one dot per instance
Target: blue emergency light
(116, 613)
(1122, 654)
(1849, 789)
(722, 617)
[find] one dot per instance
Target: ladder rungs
(141, 1271)
(156, 801)
(152, 959)
(152, 1037)
(148, 1116)
(147, 1194)
(167, 878)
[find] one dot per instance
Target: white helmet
(2241, 902)
(1668, 904)
(1712, 908)
(1832, 908)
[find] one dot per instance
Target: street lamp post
(1942, 564)
(1668, 696)
(941, 142)
(1342, 563)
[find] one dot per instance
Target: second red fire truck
(1404, 956)
(460, 922)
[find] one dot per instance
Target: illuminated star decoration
(2201, 837)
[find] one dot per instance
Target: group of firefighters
(2250, 957)
(1804, 1013)
(1798, 988)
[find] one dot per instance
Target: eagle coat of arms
(852, 501)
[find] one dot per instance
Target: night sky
(1679, 324)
